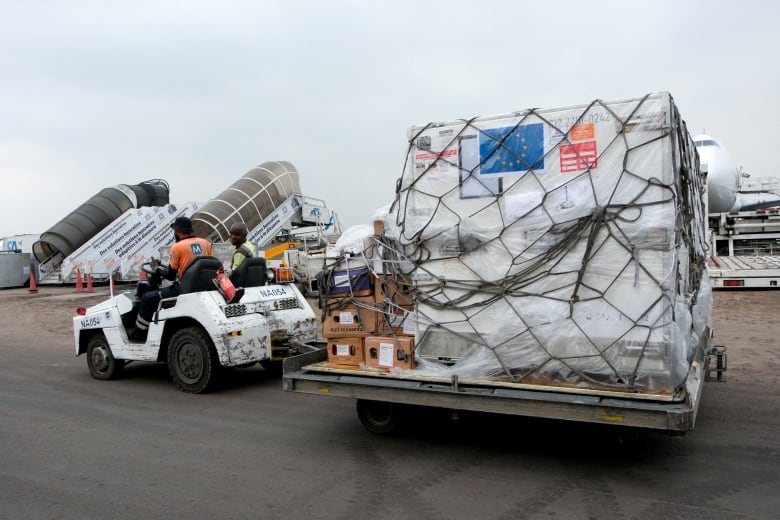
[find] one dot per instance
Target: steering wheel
(154, 277)
(148, 269)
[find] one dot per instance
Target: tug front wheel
(192, 360)
(101, 362)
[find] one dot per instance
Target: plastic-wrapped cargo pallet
(559, 247)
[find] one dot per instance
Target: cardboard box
(397, 289)
(349, 317)
(346, 351)
(386, 352)
(395, 320)
(379, 226)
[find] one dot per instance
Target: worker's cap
(182, 224)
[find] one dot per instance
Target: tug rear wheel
(192, 360)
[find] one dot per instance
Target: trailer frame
(309, 374)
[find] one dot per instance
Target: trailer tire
(378, 416)
(101, 361)
(193, 361)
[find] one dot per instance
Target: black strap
(244, 251)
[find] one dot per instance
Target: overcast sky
(99, 93)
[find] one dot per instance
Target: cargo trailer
(547, 263)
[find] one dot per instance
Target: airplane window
(707, 142)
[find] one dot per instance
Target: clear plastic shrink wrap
(554, 247)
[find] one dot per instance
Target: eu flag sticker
(512, 149)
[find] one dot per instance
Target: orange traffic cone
(89, 284)
(33, 288)
(79, 282)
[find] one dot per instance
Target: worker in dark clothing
(186, 248)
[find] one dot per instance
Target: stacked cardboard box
(366, 315)
(385, 352)
(349, 311)
(345, 352)
(395, 299)
(347, 316)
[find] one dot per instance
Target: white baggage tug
(198, 332)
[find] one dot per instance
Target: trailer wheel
(192, 360)
(100, 360)
(378, 416)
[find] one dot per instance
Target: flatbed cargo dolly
(380, 393)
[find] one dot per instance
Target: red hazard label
(578, 156)
(433, 155)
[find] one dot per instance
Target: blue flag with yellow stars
(512, 149)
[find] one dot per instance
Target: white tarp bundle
(562, 245)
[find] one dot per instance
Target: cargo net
(557, 248)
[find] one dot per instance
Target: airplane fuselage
(722, 176)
